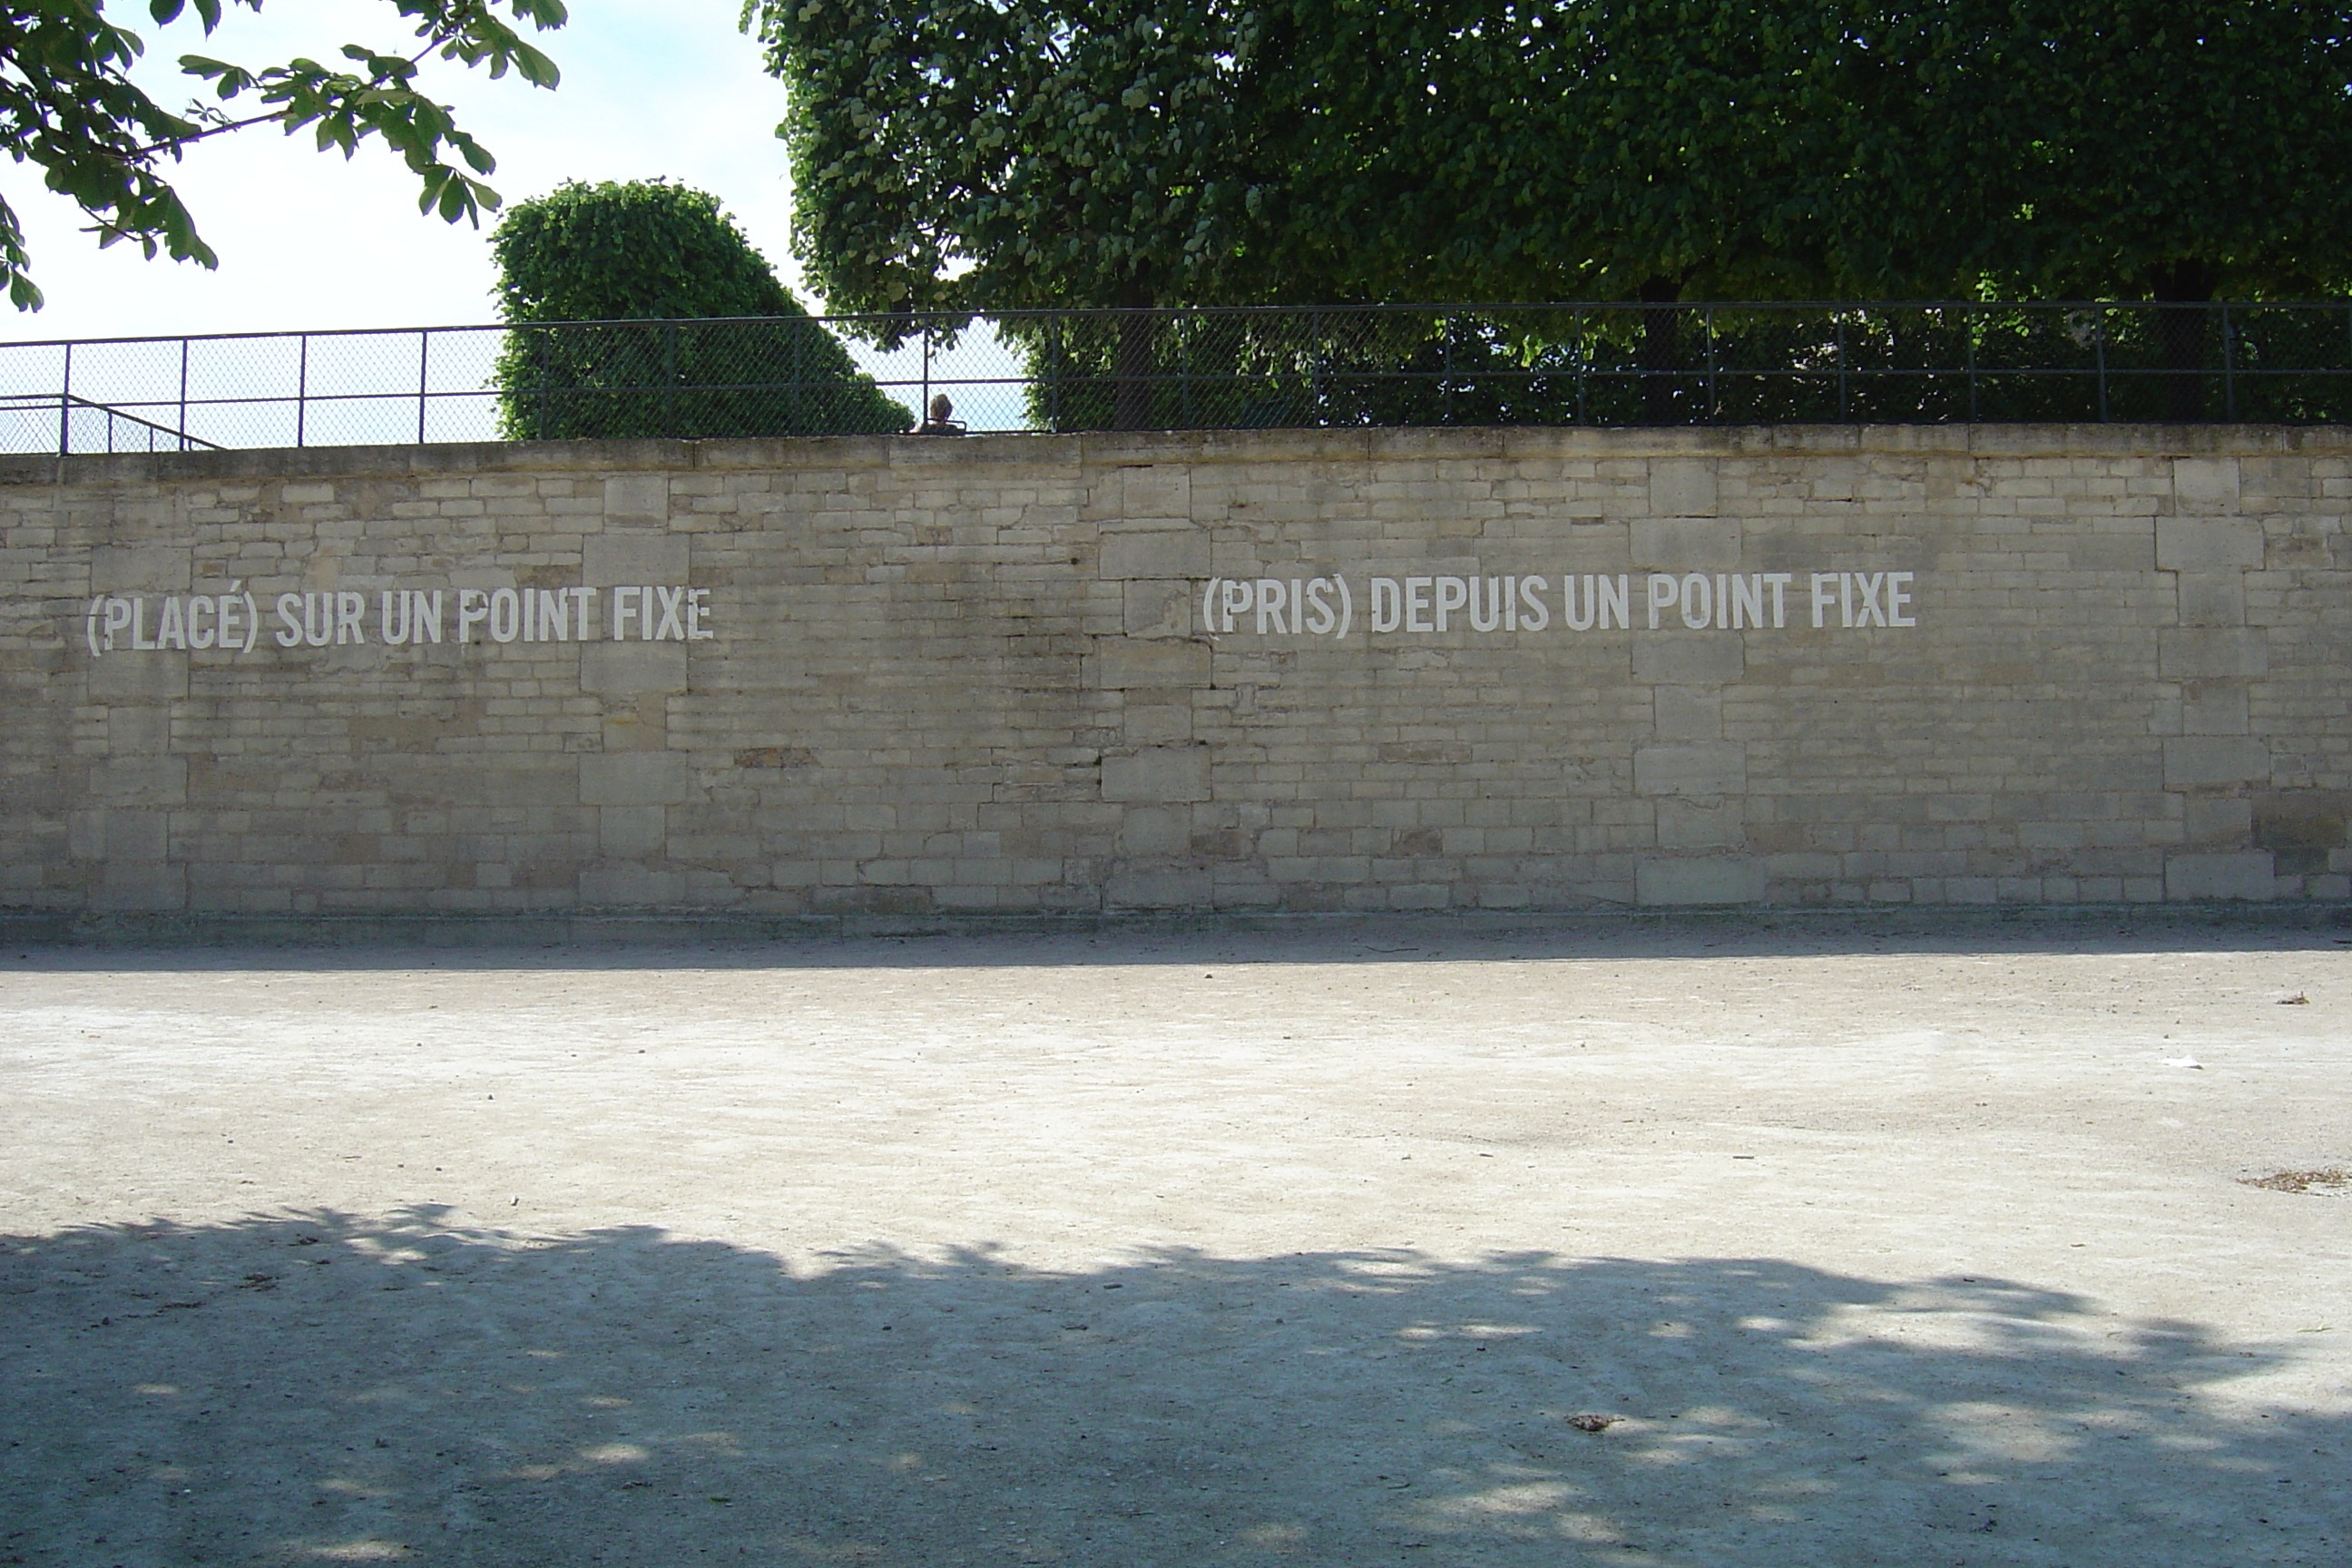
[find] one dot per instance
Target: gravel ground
(1689, 1246)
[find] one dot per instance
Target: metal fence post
(1184, 369)
(539, 339)
(1445, 374)
(1053, 374)
(669, 381)
(1583, 368)
(796, 407)
(184, 396)
(923, 413)
(1714, 386)
(2229, 370)
(424, 353)
(1845, 390)
(1315, 374)
(1968, 331)
(301, 388)
(2099, 347)
(64, 407)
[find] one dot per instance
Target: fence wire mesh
(1610, 364)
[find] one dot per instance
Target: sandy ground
(1183, 1251)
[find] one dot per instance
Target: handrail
(1219, 366)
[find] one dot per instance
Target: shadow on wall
(322, 1388)
(519, 944)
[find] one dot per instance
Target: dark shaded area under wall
(653, 942)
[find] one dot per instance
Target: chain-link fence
(1615, 365)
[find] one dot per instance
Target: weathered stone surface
(1697, 881)
(634, 778)
(871, 675)
(1156, 773)
(1704, 768)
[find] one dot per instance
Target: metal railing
(1605, 364)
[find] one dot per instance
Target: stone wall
(1527, 669)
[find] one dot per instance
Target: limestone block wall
(1371, 671)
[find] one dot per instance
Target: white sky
(306, 240)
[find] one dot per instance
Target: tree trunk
(1660, 347)
(2180, 336)
(1131, 371)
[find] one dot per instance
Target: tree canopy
(67, 106)
(1029, 153)
(649, 251)
(2166, 150)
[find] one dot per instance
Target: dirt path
(1174, 1252)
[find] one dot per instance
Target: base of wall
(40, 929)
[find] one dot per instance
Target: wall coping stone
(1194, 447)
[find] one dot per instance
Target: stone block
(633, 669)
(120, 677)
(1157, 553)
(1686, 713)
(2207, 544)
(1155, 723)
(634, 778)
(1690, 658)
(143, 885)
(1156, 773)
(1697, 825)
(139, 729)
(2213, 653)
(2207, 480)
(2213, 598)
(639, 500)
(1678, 883)
(2305, 828)
(1680, 545)
(2200, 761)
(1147, 830)
(627, 886)
(610, 560)
(1159, 890)
(1120, 663)
(1156, 490)
(118, 833)
(2247, 875)
(1682, 487)
(141, 569)
(2214, 708)
(1156, 608)
(141, 781)
(632, 832)
(2219, 819)
(1709, 768)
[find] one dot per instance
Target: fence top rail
(921, 318)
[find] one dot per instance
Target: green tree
(2178, 153)
(69, 107)
(698, 338)
(982, 154)
(951, 155)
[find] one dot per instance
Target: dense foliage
(666, 257)
(69, 107)
(1029, 153)
(962, 153)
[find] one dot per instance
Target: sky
(309, 241)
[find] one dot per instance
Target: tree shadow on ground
(327, 1388)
